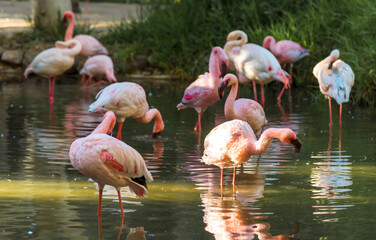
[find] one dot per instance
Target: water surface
(327, 191)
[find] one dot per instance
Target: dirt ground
(13, 14)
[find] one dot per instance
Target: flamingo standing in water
(203, 92)
(244, 109)
(234, 142)
(286, 51)
(109, 161)
(127, 99)
(254, 63)
(336, 79)
(90, 45)
(98, 65)
(54, 61)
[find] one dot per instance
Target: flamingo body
(244, 109)
(99, 65)
(90, 45)
(109, 161)
(336, 79)
(127, 99)
(203, 92)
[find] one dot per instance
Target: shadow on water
(325, 191)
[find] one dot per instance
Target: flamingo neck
(105, 126)
(269, 43)
(262, 145)
(75, 47)
(235, 43)
(70, 29)
(153, 113)
(214, 65)
(229, 105)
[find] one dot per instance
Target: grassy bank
(179, 36)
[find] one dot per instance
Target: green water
(327, 191)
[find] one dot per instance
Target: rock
(13, 57)
(10, 74)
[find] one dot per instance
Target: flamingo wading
(254, 63)
(336, 79)
(244, 109)
(109, 161)
(127, 99)
(234, 142)
(99, 65)
(54, 61)
(203, 92)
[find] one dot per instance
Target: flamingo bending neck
(107, 124)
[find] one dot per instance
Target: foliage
(180, 34)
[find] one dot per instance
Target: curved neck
(262, 145)
(75, 47)
(229, 105)
(269, 43)
(214, 65)
(235, 43)
(158, 124)
(103, 127)
(70, 29)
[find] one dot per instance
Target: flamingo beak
(297, 143)
(64, 21)
(223, 70)
(222, 88)
(155, 135)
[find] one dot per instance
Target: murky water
(327, 191)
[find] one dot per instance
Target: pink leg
(280, 95)
(221, 182)
(290, 79)
(254, 90)
(83, 80)
(330, 112)
(49, 88)
(198, 124)
(118, 136)
(340, 115)
(262, 96)
(88, 83)
(100, 202)
(121, 204)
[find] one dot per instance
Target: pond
(327, 191)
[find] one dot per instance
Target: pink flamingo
(203, 92)
(109, 161)
(254, 63)
(98, 65)
(127, 99)
(286, 51)
(90, 45)
(336, 79)
(243, 109)
(54, 61)
(234, 142)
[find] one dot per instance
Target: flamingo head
(288, 136)
(222, 59)
(221, 90)
(67, 15)
(267, 41)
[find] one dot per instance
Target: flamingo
(234, 142)
(90, 45)
(54, 61)
(127, 99)
(109, 161)
(244, 109)
(336, 79)
(203, 92)
(286, 51)
(98, 65)
(254, 63)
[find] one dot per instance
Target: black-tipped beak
(64, 21)
(223, 69)
(297, 143)
(155, 135)
(222, 88)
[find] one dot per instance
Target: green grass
(178, 36)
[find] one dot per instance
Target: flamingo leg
(340, 115)
(118, 136)
(121, 204)
(233, 181)
(88, 83)
(100, 232)
(262, 96)
(83, 80)
(330, 112)
(290, 79)
(254, 90)
(221, 182)
(100, 202)
(198, 124)
(280, 94)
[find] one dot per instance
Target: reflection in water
(137, 233)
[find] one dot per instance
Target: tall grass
(180, 35)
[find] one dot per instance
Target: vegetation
(179, 35)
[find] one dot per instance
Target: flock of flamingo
(110, 161)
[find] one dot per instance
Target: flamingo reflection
(137, 233)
